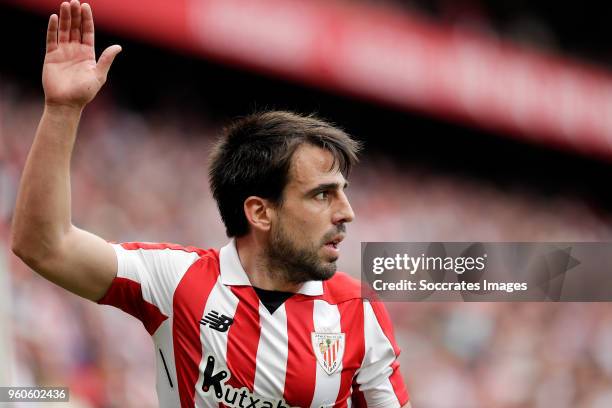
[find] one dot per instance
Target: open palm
(71, 75)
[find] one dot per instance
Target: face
(310, 223)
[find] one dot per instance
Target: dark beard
(296, 265)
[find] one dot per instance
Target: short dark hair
(253, 158)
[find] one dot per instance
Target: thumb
(106, 59)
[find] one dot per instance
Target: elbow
(19, 239)
(36, 245)
(35, 259)
(30, 250)
(17, 245)
(21, 250)
(17, 250)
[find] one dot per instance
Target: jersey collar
(233, 274)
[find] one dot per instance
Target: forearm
(42, 213)
(43, 235)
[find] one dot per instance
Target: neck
(255, 263)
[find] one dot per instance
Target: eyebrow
(325, 187)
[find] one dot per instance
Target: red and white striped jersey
(218, 345)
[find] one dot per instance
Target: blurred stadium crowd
(144, 178)
(546, 25)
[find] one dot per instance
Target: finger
(64, 23)
(52, 33)
(87, 24)
(106, 59)
(75, 21)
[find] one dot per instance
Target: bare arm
(43, 235)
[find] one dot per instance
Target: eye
(321, 196)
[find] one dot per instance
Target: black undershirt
(272, 299)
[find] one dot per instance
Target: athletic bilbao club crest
(329, 349)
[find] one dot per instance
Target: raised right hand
(71, 76)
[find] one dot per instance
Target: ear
(258, 212)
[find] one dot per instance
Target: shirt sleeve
(378, 382)
(147, 275)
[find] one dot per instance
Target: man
(263, 322)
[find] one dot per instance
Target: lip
(332, 245)
(335, 241)
(332, 249)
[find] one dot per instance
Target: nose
(344, 212)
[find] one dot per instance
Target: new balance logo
(217, 322)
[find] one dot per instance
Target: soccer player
(266, 321)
